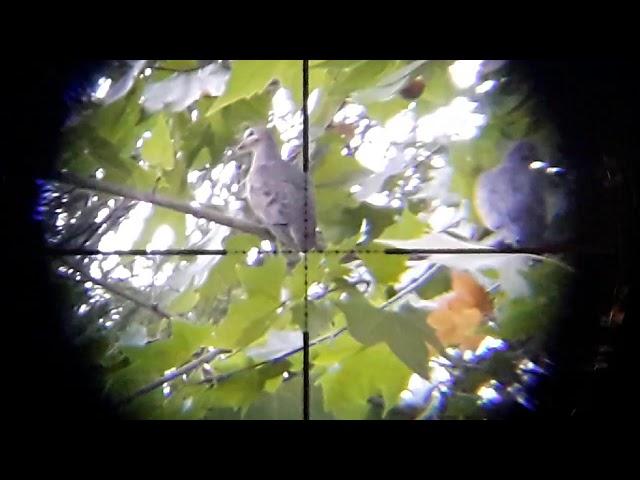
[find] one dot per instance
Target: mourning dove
(517, 200)
(276, 192)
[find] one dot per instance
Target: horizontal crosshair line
(386, 251)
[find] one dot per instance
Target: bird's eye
(249, 133)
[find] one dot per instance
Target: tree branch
(164, 201)
(118, 291)
(91, 229)
(225, 376)
(172, 375)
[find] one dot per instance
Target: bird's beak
(240, 148)
(241, 153)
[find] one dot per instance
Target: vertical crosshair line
(305, 169)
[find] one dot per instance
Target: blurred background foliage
(395, 150)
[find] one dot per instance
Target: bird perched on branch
(521, 202)
(279, 193)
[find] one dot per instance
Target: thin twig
(426, 275)
(285, 355)
(222, 377)
(157, 383)
(92, 229)
(225, 376)
(172, 375)
(118, 291)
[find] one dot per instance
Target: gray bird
(279, 193)
(514, 199)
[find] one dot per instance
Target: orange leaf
(471, 292)
(460, 313)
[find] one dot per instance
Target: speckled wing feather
(277, 196)
(511, 200)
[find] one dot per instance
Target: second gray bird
(279, 193)
(511, 198)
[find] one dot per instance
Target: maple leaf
(460, 312)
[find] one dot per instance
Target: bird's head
(253, 138)
(522, 154)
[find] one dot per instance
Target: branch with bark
(164, 201)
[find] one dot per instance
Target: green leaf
(245, 111)
(85, 151)
(150, 361)
(438, 284)
(116, 122)
(402, 71)
(340, 217)
(158, 150)
(183, 404)
(363, 75)
(406, 227)
(185, 339)
(225, 125)
(196, 140)
(319, 316)
(242, 242)
(184, 302)
(335, 64)
(179, 64)
(248, 77)
(271, 385)
(316, 404)
(202, 158)
(382, 111)
(336, 222)
(384, 268)
(285, 403)
(462, 406)
(328, 105)
(158, 218)
(222, 276)
(467, 165)
(439, 89)
(144, 407)
(333, 351)
(291, 78)
(394, 79)
(265, 279)
(405, 331)
(242, 389)
(220, 279)
(233, 363)
(369, 372)
(174, 182)
(79, 162)
(523, 317)
(332, 263)
(311, 270)
(247, 320)
(378, 219)
(336, 169)
(520, 318)
(142, 179)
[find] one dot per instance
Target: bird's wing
(512, 201)
(488, 192)
(527, 209)
(277, 193)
